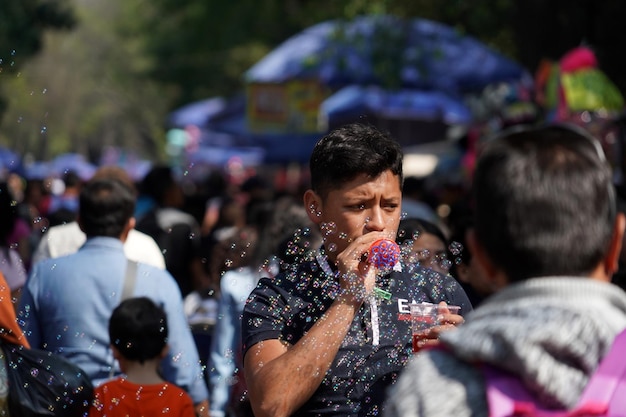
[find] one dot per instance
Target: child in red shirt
(138, 333)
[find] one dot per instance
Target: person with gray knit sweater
(547, 237)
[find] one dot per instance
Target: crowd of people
(289, 316)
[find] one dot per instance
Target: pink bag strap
(506, 396)
(608, 383)
(605, 393)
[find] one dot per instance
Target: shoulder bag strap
(129, 280)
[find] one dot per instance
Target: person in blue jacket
(67, 301)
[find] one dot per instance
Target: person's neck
(142, 374)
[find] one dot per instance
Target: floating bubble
(446, 264)
(328, 228)
(455, 248)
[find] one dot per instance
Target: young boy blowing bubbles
(317, 341)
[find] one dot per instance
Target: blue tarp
(432, 56)
(277, 147)
(353, 101)
(196, 113)
(10, 161)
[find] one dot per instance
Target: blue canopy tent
(411, 116)
(277, 148)
(197, 113)
(430, 56)
(224, 134)
(434, 66)
(410, 104)
(204, 113)
(72, 162)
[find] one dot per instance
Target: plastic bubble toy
(384, 253)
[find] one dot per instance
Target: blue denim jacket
(225, 354)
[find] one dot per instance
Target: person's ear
(313, 206)
(164, 351)
(130, 224)
(611, 260)
(116, 352)
(490, 271)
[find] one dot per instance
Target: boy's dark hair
(349, 151)
(138, 329)
(106, 205)
(157, 181)
(71, 179)
(545, 203)
(9, 215)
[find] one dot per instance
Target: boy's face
(358, 207)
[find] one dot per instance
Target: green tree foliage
(201, 48)
(23, 23)
(126, 63)
(22, 26)
(84, 92)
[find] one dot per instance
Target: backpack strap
(607, 385)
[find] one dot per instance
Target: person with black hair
(11, 262)
(175, 231)
(138, 334)
(67, 238)
(424, 242)
(262, 249)
(547, 237)
(67, 301)
(329, 336)
(63, 207)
